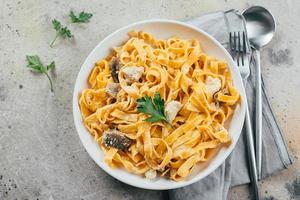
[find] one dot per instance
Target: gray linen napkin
(234, 171)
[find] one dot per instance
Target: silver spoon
(260, 25)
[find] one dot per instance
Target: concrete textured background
(41, 156)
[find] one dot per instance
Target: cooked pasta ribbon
(180, 71)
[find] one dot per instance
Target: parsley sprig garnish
(64, 31)
(61, 31)
(154, 107)
(83, 17)
(35, 64)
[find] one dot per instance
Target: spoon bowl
(260, 25)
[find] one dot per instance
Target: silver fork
(238, 48)
(239, 52)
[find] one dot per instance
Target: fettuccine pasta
(199, 98)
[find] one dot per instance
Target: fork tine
(239, 48)
(244, 47)
(234, 45)
(230, 42)
(236, 55)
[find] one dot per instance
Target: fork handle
(251, 155)
(258, 121)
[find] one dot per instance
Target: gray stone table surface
(41, 156)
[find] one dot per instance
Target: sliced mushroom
(171, 110)
(115, 68)
(133, 73)
(112, 89)
(116, 139)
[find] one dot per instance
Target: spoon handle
(251, 156)
(258, 121)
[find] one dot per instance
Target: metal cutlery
(238, 48)
(261, 26)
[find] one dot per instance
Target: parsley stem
(56, 36)
(51, 86)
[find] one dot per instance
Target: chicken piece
(112, 89)
(133, 73)
(212, 85)
(116, 139)
(150, 174)
(171, 110)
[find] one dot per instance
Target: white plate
(160, 29)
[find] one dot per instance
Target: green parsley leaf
(35, 64)
(82, 18)
(154, 107)
(56, 24)
(61, 31)
(50, 66)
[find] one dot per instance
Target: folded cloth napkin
(234, 171)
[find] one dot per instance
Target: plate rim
(180, 183)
